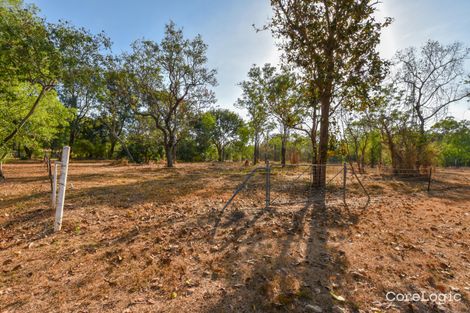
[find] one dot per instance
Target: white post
(54, 185)
(62, 186)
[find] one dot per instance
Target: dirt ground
(151, 239)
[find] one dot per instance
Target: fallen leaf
(337, 297)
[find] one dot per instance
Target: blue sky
(226, 26)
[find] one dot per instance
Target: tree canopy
(330, 98)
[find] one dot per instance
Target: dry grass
(150, 239)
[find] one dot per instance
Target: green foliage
(29, 62)
(254, 100)
(143, 141)
(224, 129)
(28, 54)
(39, 130)
(453, 141)
(92, 143)
(334, 44)
(81, 79)
(172, 83)
(60, 84)
(283, 96)
(142, 149)
(216, 134)
(254, 97)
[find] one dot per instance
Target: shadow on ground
(283, 267)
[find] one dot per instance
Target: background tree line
(333, 98)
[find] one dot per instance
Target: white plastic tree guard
(62, 186)
(54, 185)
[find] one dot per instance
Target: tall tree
(225, 130)
(357, 135)
(334, 43)
(115, 103)
(173, 83)
(308, 111)
(254, 100)
(81, 81)
(29, 60)
(284, 104)
(430, 81)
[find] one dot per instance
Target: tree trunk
(363, 155)
(420, 147)
(111, 149)
(72, 136)
(313, 139)
(124, 146)
(356, 155)
(169, 155)
(284, 147)
(173, 151)
(29, 152)
(114, 139)
(361, 165)
(396, 160)
(324, 137)
(2, 157)
(256, 152)
(18, 150)
(170, 149)
(219, 152)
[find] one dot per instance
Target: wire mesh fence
(297, 183)
(422, 173)
(276, 185)
(290, 183)
(448, 179)
(425, 178)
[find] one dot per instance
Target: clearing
(151, 239)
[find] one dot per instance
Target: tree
(39, 129)
(308, 112)
(81, 79)
(357, 135)
(254, 100)
(29, 61)
(172, 82)
(93, 140)
(334, 43)
(144, 142)
(430, 82)
(283, 102)
(202, 137)
(453, 138)
(225, 130)
(115, 109)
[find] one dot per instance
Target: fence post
(345, 172)
(62, 186)
(54, 186)
(268, 185)
(429, 181)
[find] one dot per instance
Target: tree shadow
(31, 217)
(12, 201)
(283, 262)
